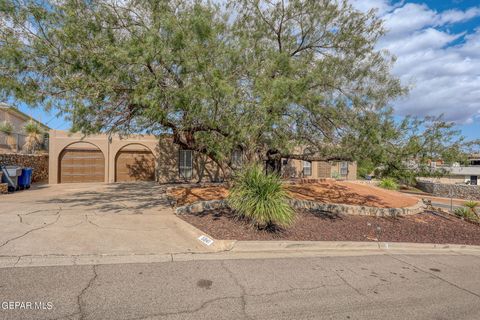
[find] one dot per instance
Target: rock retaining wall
(39, 164)
(3, 186)
(335, 208)
(460, 191)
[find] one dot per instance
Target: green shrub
(388, 183)
(471, 205)
(461, 212)
(260, 197)
(32, 128)
(6, 127)
(465, 213)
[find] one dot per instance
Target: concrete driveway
(93, 219)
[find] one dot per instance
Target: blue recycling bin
(25, 180)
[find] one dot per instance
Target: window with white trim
(185, 164)
(307, 168)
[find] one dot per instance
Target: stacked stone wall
(38, 162)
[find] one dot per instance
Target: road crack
(348, 283)
(435, 276)
(242, 288)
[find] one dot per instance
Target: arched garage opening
(81, 162)
(134, 162)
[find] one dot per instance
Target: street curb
(244, 246)
(241, 250)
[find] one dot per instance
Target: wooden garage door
(82, 166)
(135, 166)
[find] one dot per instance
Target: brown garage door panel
(82, 166)
(135, 166)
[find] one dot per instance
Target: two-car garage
(97, 161)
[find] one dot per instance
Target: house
(113, 158)
(456, 173)
(14, 141)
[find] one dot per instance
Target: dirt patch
(325, 192)
(427, 227)
(352, 194)
(185, 196)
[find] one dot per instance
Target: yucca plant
(461, 212)
(388, 183)
(6, 127)
(34, 136)
(260, 197)
(472, 205)
(466, 213)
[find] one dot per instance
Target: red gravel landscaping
(427, 227)
(343, 192)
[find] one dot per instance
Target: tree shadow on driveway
(116, 198)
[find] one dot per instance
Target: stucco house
(456, 173)
(14, 141)
(112, 158)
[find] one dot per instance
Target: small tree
(472, 205)
(34, 136)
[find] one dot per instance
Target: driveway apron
(92, 219)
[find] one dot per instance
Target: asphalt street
(435, 286)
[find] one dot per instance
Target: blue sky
(437, 44)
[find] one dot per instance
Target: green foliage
(260, 197)
(214, 78)
(403, 150)
(34, 136)
(32, 128)
(365, 167)
(471, 205)
(6, 127)
(462, 212)
(388, 183)
(466, 213)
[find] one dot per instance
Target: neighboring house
(344, 170)
(14, 142)
(103, 158)
(458, 174)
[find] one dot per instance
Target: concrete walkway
(70, 220)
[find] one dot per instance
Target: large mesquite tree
(263, 76)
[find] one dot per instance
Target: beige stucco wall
(165, 152)
(446, 180)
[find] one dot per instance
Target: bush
(461, 212)
(32, 128)
(6, 127)
(465, 213)
(471, 205)
(260, 197)
(388, 183)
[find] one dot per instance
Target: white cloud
(444, 75)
